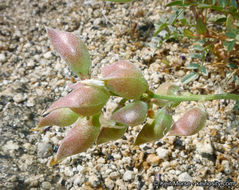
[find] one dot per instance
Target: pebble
(79, 180)
(184, 177)
(162, 153)
(153, 159)
(204, 146)
(44, 149)
(128, 175)
(46, 185)
(10, 145)
(109, 183)
(2, 58)
(114, 175)
(19, 98)
(47, 55)
(94, 181)
(226, 166)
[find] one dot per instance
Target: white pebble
(127, 175)
(162, 153)
(184, 177)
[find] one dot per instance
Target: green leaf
(221, 20)
(175, 3)
(200, 26)
(204, 71)
(190, 77)
(223, 3)
(217, 8)
(229, 23)
(188, 33)
(160, 28)
(233, 3)
(196, 56)
(193, 66)
(204, 6)
(198, 48)
(184, 21)
(236, 106)
(232, 65)
(230, 45)
(231, 35)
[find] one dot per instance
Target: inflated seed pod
(81, 137)
(109, 131)
(166, 89)
(157, 129)
(61, 117)
(72, 50)
(132, 114)
(85, 100)
(190, 123)
(124, 79)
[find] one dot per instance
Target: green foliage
(213, 25)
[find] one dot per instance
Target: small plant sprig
(83, 106)
(214, 28)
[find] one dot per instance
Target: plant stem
(197, 97)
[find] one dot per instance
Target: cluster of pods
(82, 107)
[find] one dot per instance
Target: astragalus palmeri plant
(82, 107)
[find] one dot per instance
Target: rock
(10, 145)
(121, 185)
(101, 161)
(109, 183)
(19, 98)
(184, 177)
(79, 180)
(2, 58)
(128, 175)
(153, 159)
(94, 181)
(46, 185)
(114, 175)
(47, 55)
(204, 146)
(226, 166)
(162, 153)
(44, 149)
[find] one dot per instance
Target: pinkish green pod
(155, 130)
(166, 89)
(72, 50)
(85, 100)
(109, 131)
(124, 79)
(61, 117)
(190, 123)
(81, 137)
(132, 114)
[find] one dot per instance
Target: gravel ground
(32, 77)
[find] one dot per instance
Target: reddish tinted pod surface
(72, 50)
(81, 137)
(132, 114)
(124, 79)
(190, 123)
(61, 117)
(85, 100)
